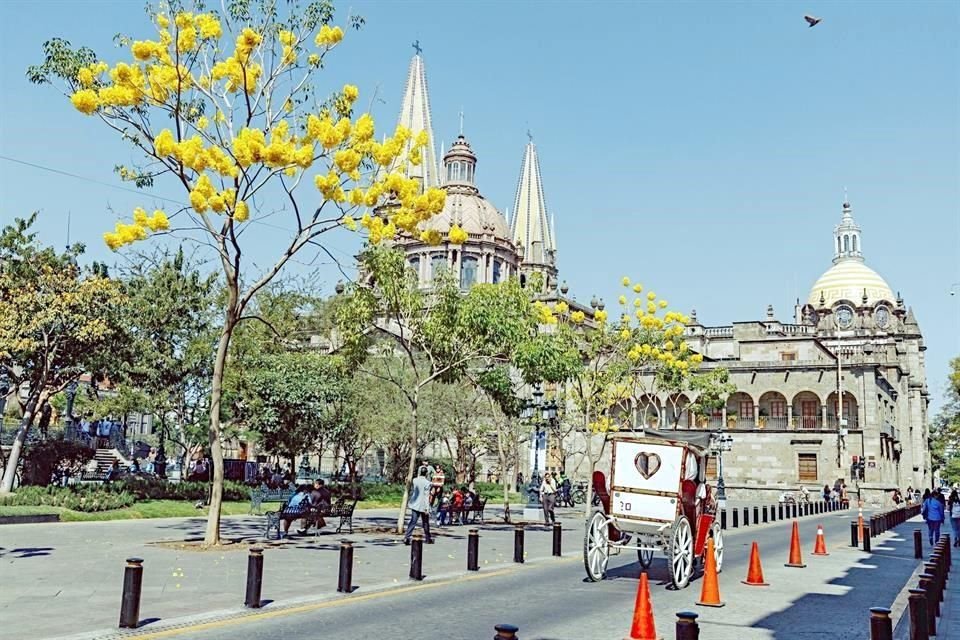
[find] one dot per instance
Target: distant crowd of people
(935, 508)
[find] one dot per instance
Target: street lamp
(720, 442)
(539, 413)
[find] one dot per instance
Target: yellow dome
(847, 280)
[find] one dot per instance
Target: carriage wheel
(681, 553)
(596, 547)
(646, 557)
(717, 535)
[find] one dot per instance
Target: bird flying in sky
(812, 20)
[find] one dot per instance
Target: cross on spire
(416, 47)
(461, 120)
(529, 136)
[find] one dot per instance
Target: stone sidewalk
(65, 578)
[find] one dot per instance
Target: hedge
(76, 498)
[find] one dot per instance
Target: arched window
(846, 244)
(854, 243)
(839, 248)
(497, 266)
(468, 271)
(415, 265)
(438, 262)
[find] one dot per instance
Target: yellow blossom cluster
(124, 234)
(578, 317)
(192, 153)
(603, 424)
(457, 235)
(328, 36)
(544, 313)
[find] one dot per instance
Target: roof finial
(461, 120)
(416, 47)
(846, 200)
(529, 136)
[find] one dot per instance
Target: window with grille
(807, 467)
(778, 409)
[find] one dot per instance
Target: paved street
(69, 577)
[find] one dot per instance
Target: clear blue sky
(701, 148)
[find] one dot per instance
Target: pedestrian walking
(519, 481)
(548, 497)
(420, 506)
(953, 508)
(932, 511)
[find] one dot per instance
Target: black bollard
(557, 533)
(881, 626)
(917, 544)
(130, 602)
(854, 541)
(723, 518)
(926, 584)
(506, 632)
(765, 513)
(254, 578)
(473, 550)
(933, 567)
(416, 557)
(780, 511)
(687, 627)
(735, 513)
(918, 615)
(866, 538)
(746, 516)
(345, 582)
(518, 544)
(756, 515)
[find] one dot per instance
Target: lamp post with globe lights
(540, 413)
(720, 442)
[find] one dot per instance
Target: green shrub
(43, 458)
(77, 498)
(148, 487)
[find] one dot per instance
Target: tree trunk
(212, 535)
(6, 486)
(411, 466)
(504, 475)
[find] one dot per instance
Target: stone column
(823, 416)
(789, 416)
(756, 415)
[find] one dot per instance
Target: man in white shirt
(419, 506)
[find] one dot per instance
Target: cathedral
(838, 393)
(496, 249)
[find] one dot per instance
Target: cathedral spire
(415, 116)
(530, 224)
(846, 237)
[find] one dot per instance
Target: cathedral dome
(847, 280)
(473, 213)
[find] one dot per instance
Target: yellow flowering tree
(599, 362)
(227, 107)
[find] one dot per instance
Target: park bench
(259, 496)
(343, 508)
(476, 509)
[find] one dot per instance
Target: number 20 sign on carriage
(655, 498)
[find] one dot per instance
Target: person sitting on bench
(295, 509)
(319, 503)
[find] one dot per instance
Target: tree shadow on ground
(873, 582)
(25, 552)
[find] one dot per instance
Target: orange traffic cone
(820, 547)
(755, 571)
(795, 559)
(643, 626)
(710, 592)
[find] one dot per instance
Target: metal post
(687, 627)
(506, 632)
(918, 615)
(917, 544)
(345, 584)
(723, 518)
(926, 584)
(130, 602)
(765, 519)
(773, 513)
(854, 542)
(756, 515)
(557, 533)
(866, 538)
(780, 511)
(518, 544)
(735, 513)
(416, 557)
(473, 550)
(254, 578)
(881, 626)
(746, 516)
(935, 567)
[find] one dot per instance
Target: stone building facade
(853, 338)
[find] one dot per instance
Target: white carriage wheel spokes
(682, 552)
(646, 557)
(598, 555)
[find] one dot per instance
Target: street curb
(175, 626)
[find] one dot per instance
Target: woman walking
(953, 508)
(548, 497)
(932, 511)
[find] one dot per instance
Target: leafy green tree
(712, 389)
(434, 335)
(57, 321)
(945, 430)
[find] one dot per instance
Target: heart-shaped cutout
(647, 464)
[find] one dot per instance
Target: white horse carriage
(657, 499)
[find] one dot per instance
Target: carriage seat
(688, 498)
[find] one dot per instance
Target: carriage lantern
(720, 442)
